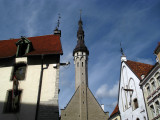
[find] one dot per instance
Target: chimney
(102, 105)
(157, 52)
(57, 32)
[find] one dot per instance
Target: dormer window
(24, 46)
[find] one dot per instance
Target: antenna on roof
(121, 49)
(58, 23)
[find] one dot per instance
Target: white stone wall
(30, 87)
(81, 68)
(129, 80)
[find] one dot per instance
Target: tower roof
(80, 47)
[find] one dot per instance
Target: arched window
(135, 103)
(77, 64)
(157, 107)
(153, 85)
(148, 89)
(157, 76)
(137, 119)
(152, 111)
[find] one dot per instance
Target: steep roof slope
(116, 110)
(139, 68)
(48, 44)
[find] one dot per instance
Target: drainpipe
(39, 90)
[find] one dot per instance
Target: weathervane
(121, 49)
(58, 23)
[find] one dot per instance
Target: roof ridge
(27, 37)
(139, 62)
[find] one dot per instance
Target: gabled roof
(139, 68)
(116, 110)
(48, 44)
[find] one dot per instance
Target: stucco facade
(130, 100)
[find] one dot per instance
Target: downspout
(39, 90)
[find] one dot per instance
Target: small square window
(19, 71)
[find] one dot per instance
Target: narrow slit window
(82, 64)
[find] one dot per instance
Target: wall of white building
(30, 87)
(129, 80)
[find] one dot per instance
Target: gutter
(39, 90)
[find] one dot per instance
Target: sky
(134, 23)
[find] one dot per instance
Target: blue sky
(135, 23)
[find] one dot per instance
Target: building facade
(130, 100)
(83, 105)
(151, 89)
(29, 70)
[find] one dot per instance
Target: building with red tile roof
(29, 70)
(130, 100)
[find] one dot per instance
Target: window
(153, 86)
(135, 102)
(148, 90)
(77, 64)
(152, 111)
(19, 71)
(157, 107)
(12, 103)
(137, 119)
(82, 64)
(23, 46)
(158, 80)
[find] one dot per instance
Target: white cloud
(104, 91)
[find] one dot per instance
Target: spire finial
(58, 23)
(80, 13)
(121, 49)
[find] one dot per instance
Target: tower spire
(80, 47)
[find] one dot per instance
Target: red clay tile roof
(139, 68)
(48, 44)
(116, 110)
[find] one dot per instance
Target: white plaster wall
(128, 112)
(29, 88)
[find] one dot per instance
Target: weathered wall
(73, 109)
(30, 87)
